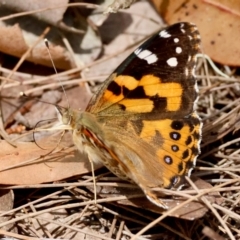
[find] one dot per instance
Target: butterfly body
(142, 124)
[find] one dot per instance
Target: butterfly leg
(94, 180)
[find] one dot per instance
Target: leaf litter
(52, 189)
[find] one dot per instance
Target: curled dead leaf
(28, 164)
(218, 23)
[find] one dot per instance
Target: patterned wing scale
(147, 110)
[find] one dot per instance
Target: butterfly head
(64, 115)
(78, 120)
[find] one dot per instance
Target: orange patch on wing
(109, 96)
(126, 81)
(150, 127)
(137, 105)
(149, 80)
(122, 81)
(153, 86)
(163, 126)
(174, 103)
(171, 91)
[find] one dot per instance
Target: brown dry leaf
(6, 204)
(47, 16)
(190, 211)
(16, 42)
(218, 22)
(22, 33)
(28, 164)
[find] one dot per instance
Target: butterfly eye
(66, 118)
(63, 115)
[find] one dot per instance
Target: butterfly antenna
(34, 139)
(50, 56)
(24, 96)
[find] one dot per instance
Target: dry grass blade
(211, 234)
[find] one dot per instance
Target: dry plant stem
(137, 212)
(229, 143)
(15, 235)
(98, 235)
(165, 191)
(226, 217)
(215, 169)
(81, 184)
(71, 221)
(229, 114)
(127, 218)
(29, 79)
(211, 234)
(236, 230)
(67, 206)
(208, 204)
(218, 78)
(38, 200)
(224, 109)
(56, 85)
(7, 79)
(222, 87)
(127, 232)
(71, 52)
(113, 225)
(87, 5)
(225, 160)
(228, 212)
(215, 188)
(45, 232)
(119, 233)
(222, 7)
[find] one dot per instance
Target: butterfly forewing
(157, 78)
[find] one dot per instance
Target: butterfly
(142, 123)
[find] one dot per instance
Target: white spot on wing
(183, 31)
(146, 55)
(164, 34)
(172, 62)
(178, 50)
(176, 40)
